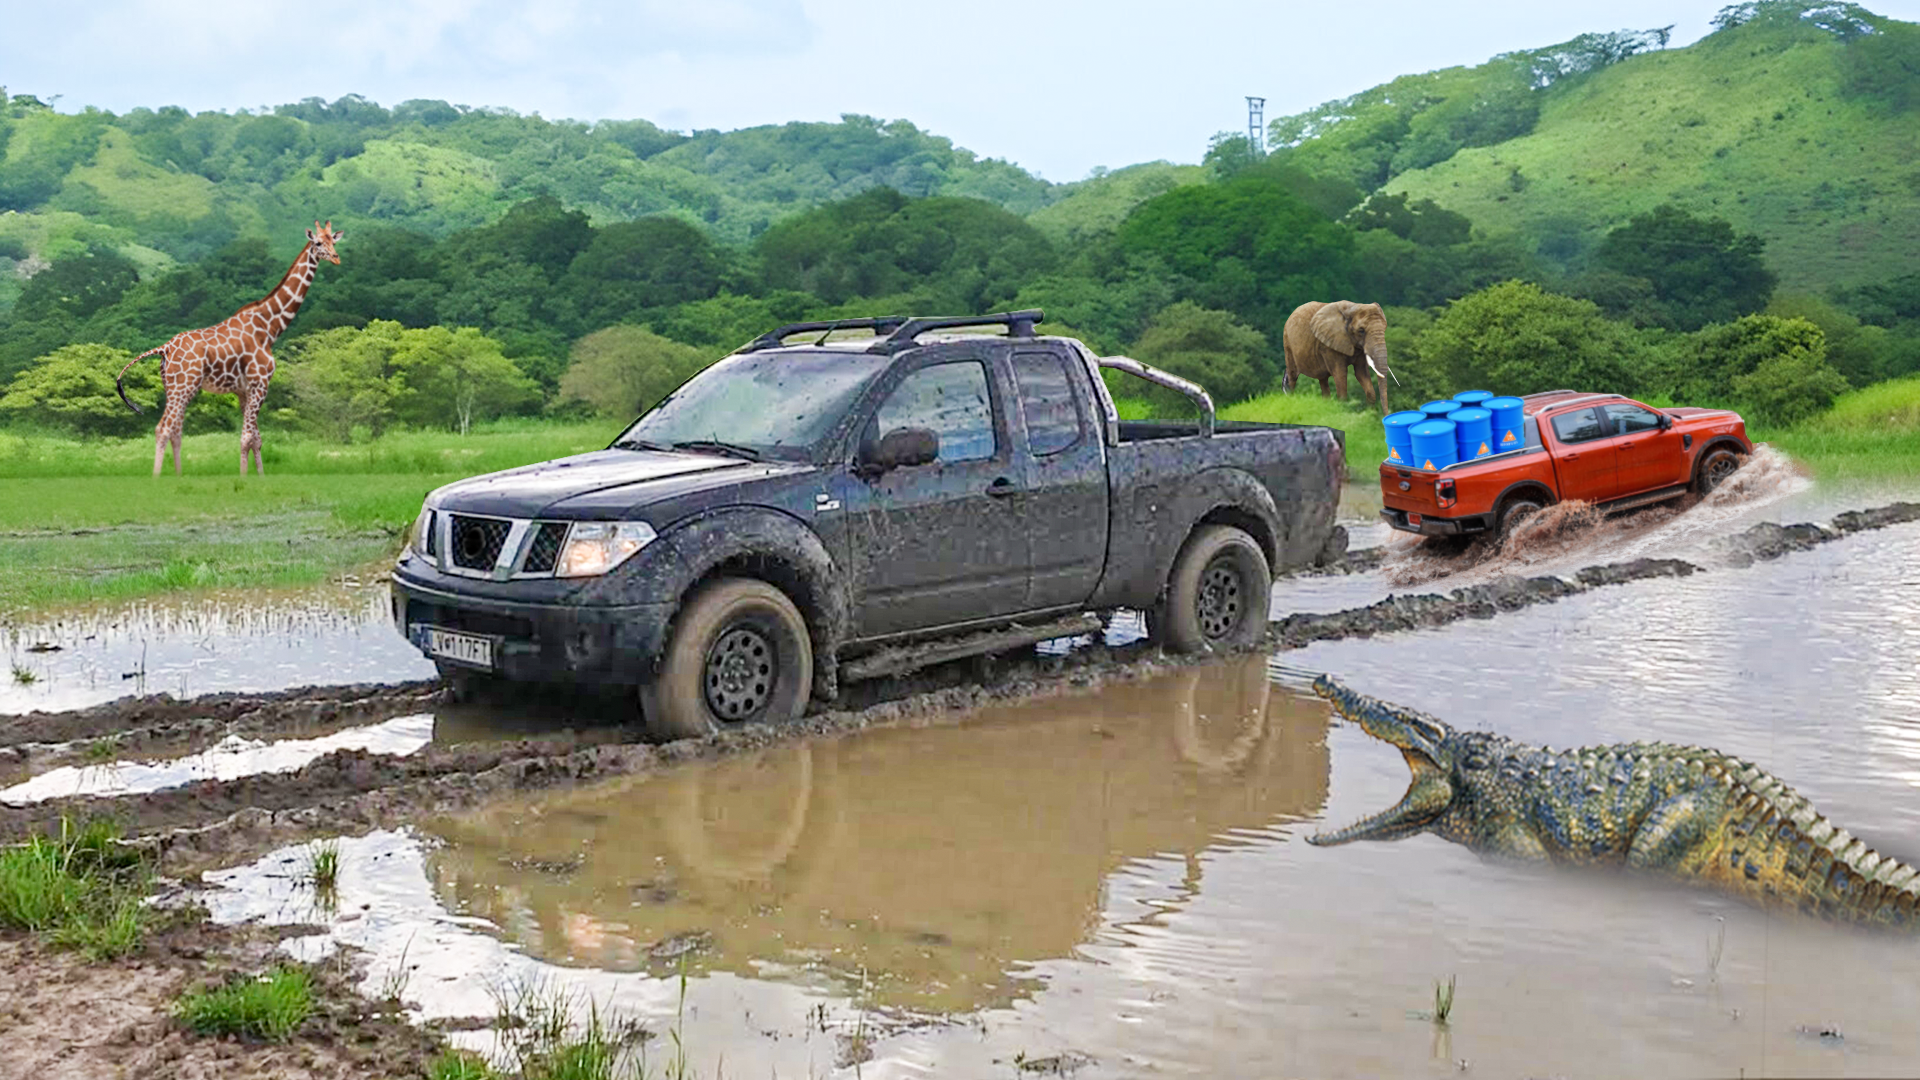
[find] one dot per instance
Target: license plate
(1413, 520)
(460, 648)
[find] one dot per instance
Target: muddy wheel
(738, 654)
(1515, 510)
(463, 685)
(1714, 468)
(1217, 595)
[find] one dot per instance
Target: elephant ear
(1329, 324)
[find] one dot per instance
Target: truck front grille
(474, 542)
(544, 551)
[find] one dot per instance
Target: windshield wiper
(734, 449)
(641, 444)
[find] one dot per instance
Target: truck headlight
(417, 533)
(595, 547)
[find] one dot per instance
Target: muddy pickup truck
(1603, 449)
(802, 514)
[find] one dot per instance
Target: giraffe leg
(251, 400)
(167, 433)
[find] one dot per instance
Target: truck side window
(1046, 399)
(1578, 427)
(952, 400)
(1627, 419)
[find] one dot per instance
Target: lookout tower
(1256, 126)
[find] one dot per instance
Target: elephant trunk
(1376, 351)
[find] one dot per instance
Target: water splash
(1575, 533)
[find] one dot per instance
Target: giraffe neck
(284, 301)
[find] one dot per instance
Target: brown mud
(211, 822)
(66, 1019)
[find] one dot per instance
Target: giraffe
(232, 357)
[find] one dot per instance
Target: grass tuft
(24, 676)
(535, 1024)
(268, 1006)
(80, 891)
(323, 866)
(1442, 1000)
(459, 1065)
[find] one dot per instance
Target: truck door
(1064, 506)
(942, 542)
(1648, 458)
(1584, 456)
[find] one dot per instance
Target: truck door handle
(1570, 457)
(1002, 488)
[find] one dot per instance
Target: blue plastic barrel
(1433, 444)
(1509, 426)
(1473, 397)
(1439, 409)
(1472, 432)
(1399, 442)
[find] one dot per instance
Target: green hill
(1798, 125)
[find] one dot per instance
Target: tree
(340, 379)
(635, 267)
(72, 389)
(1700, 270)
(450, 378)
(1516, 338)
(1760, 362)
(1249, 246)
(76, 286)
(622, 371)
(1423, 222)
(971, 254)
(1226, 357)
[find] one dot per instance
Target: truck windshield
(777, 405)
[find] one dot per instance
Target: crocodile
(1685, 812)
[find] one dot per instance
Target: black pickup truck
(798, 515)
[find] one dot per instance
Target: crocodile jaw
(1428, 796)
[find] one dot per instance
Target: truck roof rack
(881, 325)
(1018, 324)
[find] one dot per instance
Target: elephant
(1320, 340)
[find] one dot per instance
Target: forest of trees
(528, 267)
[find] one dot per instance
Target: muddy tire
(1713, 469)
(738, 654)
(464, 685)
(1515, 510)
(1217, 594)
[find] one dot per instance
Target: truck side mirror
(898, 448)
(1666, 421)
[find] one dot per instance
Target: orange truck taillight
(1443, 493)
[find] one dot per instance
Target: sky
(1058, 88)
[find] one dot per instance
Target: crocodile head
(1425, 742)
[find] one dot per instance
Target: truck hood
(625, 475)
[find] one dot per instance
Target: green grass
(86, 520)
(459, 1065)
(268, 1006)
(1870, 433)
(323, 866)
(79, 890)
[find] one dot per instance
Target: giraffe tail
(123, 374)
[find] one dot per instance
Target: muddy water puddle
(268, 640)
(230, 758)
(1121, 877)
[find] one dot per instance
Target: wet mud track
(213, 822)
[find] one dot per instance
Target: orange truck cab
(1603, 449)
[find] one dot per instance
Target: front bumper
(539, 642)
(1438, 526)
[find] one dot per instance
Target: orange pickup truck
(1604, 449)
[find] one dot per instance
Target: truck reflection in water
(931, 864)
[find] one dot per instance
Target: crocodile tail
(118, 382)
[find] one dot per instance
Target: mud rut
(210, 822)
